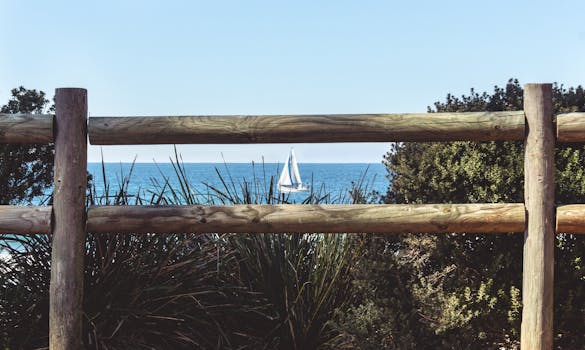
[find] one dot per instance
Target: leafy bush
(462, 291)
(26, 171)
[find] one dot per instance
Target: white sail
(284, 179)
(290, 178)
(295, 175)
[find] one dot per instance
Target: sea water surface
(324, 178)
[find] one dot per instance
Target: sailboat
(290, 178)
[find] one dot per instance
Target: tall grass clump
(186, 291)
(305, 277)
(141, 291)
(24, 291)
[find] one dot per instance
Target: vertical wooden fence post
(539, 197)
(66, 291)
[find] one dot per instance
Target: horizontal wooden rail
(382, 218)
(472, 126)
(26, 128)
(25, 220)
(571, 127)
(374, 218)
(571, 219)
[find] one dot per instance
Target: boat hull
(287, 189)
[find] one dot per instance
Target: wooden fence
(68, 219)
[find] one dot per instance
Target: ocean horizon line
(250, 162)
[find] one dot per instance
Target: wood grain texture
(387, 218)
(26, 128)
(24, 220)
(571, 127)
(66, 290)
(539, 199)
(29, 220)
(571, 219)
(475, 126)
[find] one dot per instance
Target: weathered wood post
(539, 197)
(66, 291)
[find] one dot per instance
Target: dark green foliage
(463, 291)
(141, 292)
(304, 277)
(25, 170)
(24, 292)
(168, 292)
(187, 291)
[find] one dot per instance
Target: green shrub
(462, 291)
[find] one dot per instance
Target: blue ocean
(207, 180)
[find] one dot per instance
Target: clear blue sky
(275, 57)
